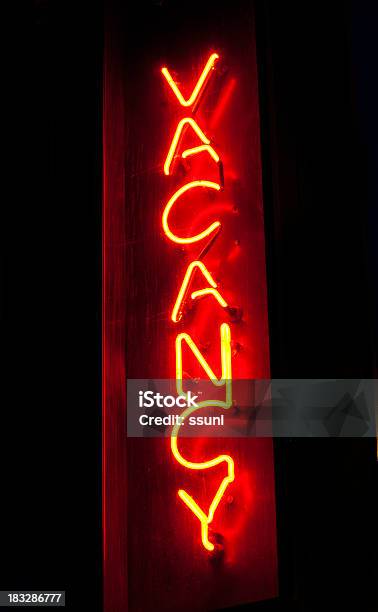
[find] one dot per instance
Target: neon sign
(178, 311)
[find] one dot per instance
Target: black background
(317, 88)
(317, 70)
(51, 446)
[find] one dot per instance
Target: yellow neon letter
(176, 312)
(205, 147)
(173, 199)
(205, 519)
(200, 83)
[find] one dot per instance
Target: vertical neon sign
(225, 379)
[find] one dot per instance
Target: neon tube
(170, 203)
(205, 147)
(205, 519)
(176, 312)
(200, 83)
(175, 140)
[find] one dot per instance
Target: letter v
(200, 83)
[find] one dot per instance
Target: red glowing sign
(205, 518)
(184, 299)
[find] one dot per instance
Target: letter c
(179, 192)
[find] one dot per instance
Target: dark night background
(317, 70)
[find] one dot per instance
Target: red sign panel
(189, 522)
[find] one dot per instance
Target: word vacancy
(188, 122)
